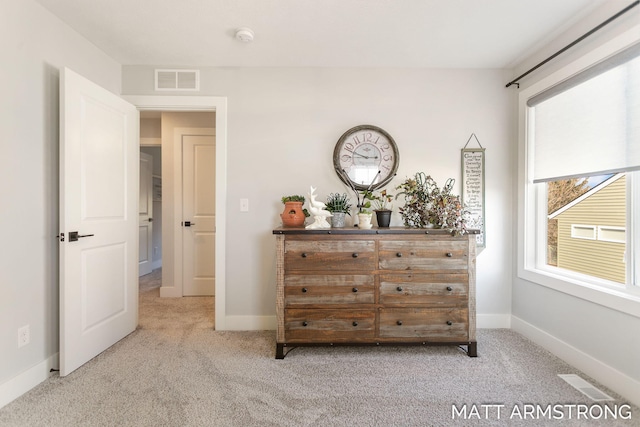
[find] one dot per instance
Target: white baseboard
(617, 381)
(493, 321)
(19, 385)
(250, 323)
(170, 292)
(156, 264)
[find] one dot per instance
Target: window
(579, 231)
(580, 157)
(581, 208)
(612, 234)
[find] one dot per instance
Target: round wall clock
(366, 157)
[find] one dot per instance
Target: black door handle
(188, 223)
(74, 236)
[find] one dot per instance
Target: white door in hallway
(198, 212)
(145, 215)
(99, 154)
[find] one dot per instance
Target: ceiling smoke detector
(244, 35)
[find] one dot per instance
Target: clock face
(366, 157)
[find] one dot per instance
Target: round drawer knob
(304, 323)
(449, 322)
(354, 290)
(449, 288)
(449, 254)
(399, 254)
(355, 255)
(399, 322)
(355, 323)
(304, 254)
(399, 288)
(304, 290)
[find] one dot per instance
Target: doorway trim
(219, 106)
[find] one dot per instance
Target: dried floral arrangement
(427, 205)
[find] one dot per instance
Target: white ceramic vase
(364, 220)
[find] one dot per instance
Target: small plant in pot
(382, 207)
(293, 214)
(364, 209)
(339, 206)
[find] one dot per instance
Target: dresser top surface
(373, 230)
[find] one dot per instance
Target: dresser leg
(279, 351)
(472, 349)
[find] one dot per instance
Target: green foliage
(365, 204)
(382, 201)
(294, 198)
(337, 202)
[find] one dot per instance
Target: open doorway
(218, 105)
(184, 144)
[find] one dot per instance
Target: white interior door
(145, 215)
(198, 213)
(99, 203)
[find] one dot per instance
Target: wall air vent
(177, 80)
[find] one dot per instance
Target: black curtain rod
(622, 12)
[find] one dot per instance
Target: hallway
(171, 313)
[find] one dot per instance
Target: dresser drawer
(433, 255)
(305, 255)
(428, 290)
(319, 325)
(438, 324)
(329, 289)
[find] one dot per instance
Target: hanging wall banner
(473, 188)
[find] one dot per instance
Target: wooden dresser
(378, 286)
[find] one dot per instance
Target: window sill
(621, 299)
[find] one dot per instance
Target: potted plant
(293, 214)
(427, 205)
(382, 207)
(339, 206)
(364, 209)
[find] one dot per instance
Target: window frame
(531, 209)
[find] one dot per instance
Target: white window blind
(590, 123)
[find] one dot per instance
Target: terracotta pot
(292, 215)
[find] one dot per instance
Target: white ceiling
(321, 33)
